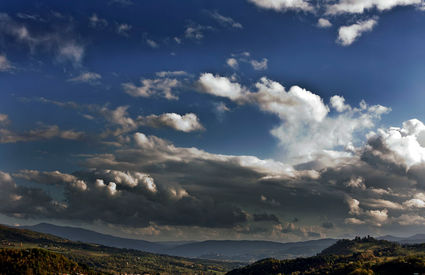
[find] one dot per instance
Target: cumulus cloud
(410, 219)
(284, 5)
(97, 22)
(348, 34)
(245, 57)
(356, 183)
(360, 6)
(353, 204)
(160, 87)
(233, 63)
(87, 77)
(378, 216)
(196, 31)
(5, 65)
(123, 29)
(151, 43)
(307, 129)
(259, 65)
(168, 181)
(324, 23)
(185, 123)
(72, 52)
(104, 195)
(221, 86)
(338, 103)
(404, 146)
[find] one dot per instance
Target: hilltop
(33, 250)
(357, 256)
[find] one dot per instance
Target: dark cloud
(266, 217)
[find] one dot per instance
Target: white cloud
(354, 221)
(338, 103)
(414, 203)
(171, 73)
(185, 123)
(380, 203)
(221, 86)
(324, 23)
(284, 5)
(348, 34)
(162, 87)
(152, 43)
(120, 117)
(131, 179)
(360, 6)
(225, 21)
(233, 63)
(407, 219)
(196, 31)
(406, 144)
(5, 65)
(123, 29)
(356, 182)
(259, 65)
(87, 77)
(306, 129)
(378, 216)
(418, 201)
(97, 22)
(71, 52)
(354, 206)
(245, 57)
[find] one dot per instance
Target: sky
(279, 120)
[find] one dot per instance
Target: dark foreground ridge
(27, 252)
(358, 256)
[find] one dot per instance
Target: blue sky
(207, 114)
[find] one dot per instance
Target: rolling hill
(239, 251)
(358, 256)
(17, 243)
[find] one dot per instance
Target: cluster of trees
(49, 254)
(37, 261)
(358, 256)
(337, 265)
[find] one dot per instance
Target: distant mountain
(239, 251)
(418, 238)
(88, 236)
(248, 251)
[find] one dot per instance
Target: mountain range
(228, 250)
